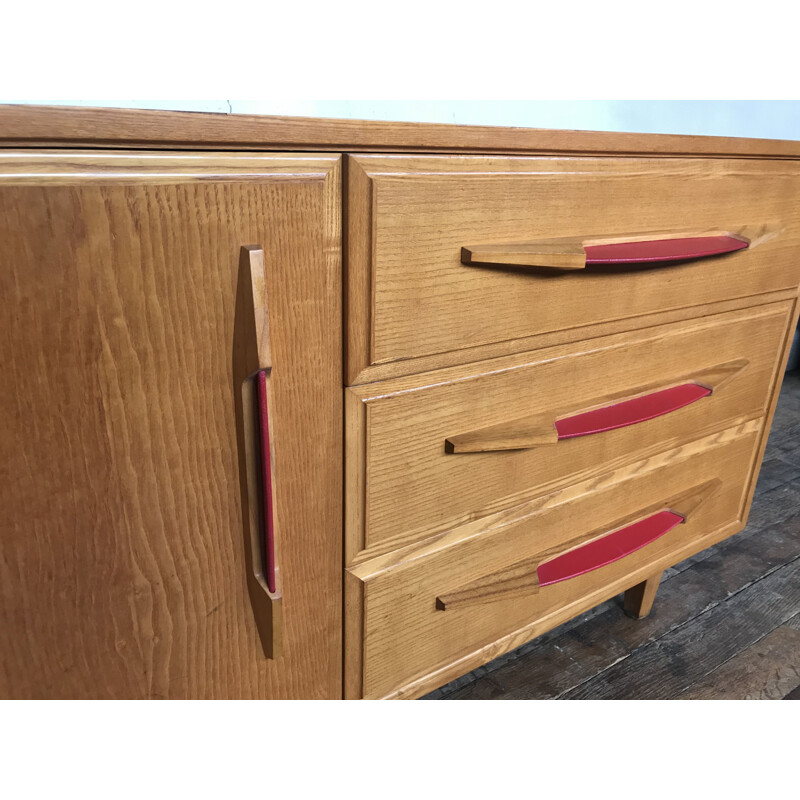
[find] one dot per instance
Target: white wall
(772, 119)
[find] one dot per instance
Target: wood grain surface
(767, 670)
(639, 599)
(123, 569)
(411, 298)
(406, 636)
(570, 253)
(739, 570)
(131, 532)
(522, 578)
(20, 124)
(406, 486)
(541, 431)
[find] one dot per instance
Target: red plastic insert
(662, 250)
(608, 548)
(629, 412)
(266, 478)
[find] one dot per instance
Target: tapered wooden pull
(585, 554)
(253, 380)
(253, 262)
(575, 253)
(595, 416)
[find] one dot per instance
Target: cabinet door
(123, 571)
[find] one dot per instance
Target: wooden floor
(725, 625)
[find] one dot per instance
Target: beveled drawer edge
(380, 390)
(792, 320)
(455, 359)
(360, 199)
(432, 680)
(354, 634)
(357, 401)
(370, 564)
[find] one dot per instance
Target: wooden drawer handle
(583, 554)
(574, 253)
(597, 416)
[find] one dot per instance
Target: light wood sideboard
(333, 409)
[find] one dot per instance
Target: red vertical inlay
(266, 481)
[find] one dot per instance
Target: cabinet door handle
(595, 416)
(575, 253)
(252, 376)
(587, 553)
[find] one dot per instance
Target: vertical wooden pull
(252, 372)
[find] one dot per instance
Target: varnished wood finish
(561, 254)
(125, 560)
(145, 290)
(409, 487)
(655, 459)
(522, 579)
(406, 637)
(381, 372)
(711, 608)
(639, 599)
(567, 253)
(252, 353)
(410, 297)
(519, 434)
(100, 127)
(540, 430)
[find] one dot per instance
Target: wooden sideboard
(321, 409)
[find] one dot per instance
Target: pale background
(771, 119)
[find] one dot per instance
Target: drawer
(429, 453)
(414, 305)
(446, 607)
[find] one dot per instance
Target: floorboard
(767, 670)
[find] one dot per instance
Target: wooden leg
(639, 599)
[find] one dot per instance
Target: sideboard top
(61, 126)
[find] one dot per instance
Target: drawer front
(411, 296)
(425, 611)
(427, 454)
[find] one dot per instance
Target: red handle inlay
(608, 548)
(662, 250)
(629, 412)
(266, 479)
